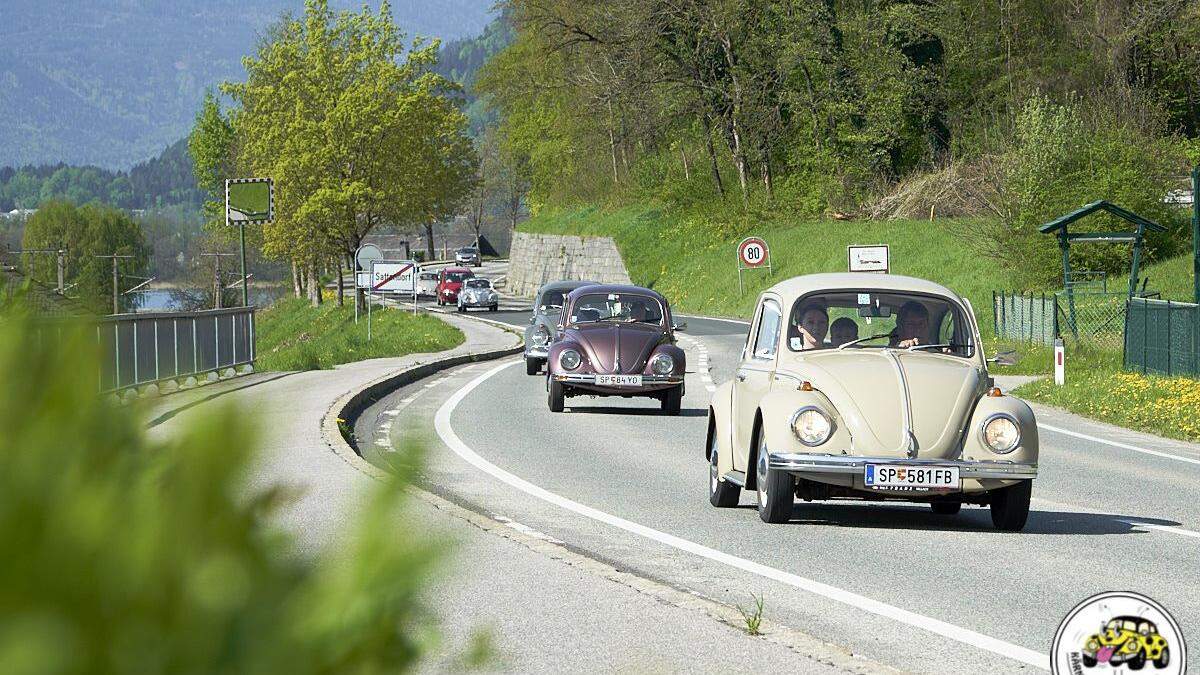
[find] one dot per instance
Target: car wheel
(672, 400)
(776, 489)
(1164, 659)
(495, 307)
(946, 508)
(1089, 661)
(1010, 506)
(462, 308)
(1137, 661)
(556, 396)
(532, 366)
(721, 493)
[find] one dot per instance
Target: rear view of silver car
(543, 325)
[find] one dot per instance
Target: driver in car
(912, 325)
(812, 325)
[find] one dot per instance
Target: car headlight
(1092, 645)
(541, 335)
(662, 364)
(569, 359)
(1000, 433)
(811, 425)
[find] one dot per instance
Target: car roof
(456, 269)
(1135, 619)
(617, 288)
(564, 285)
(867, 281)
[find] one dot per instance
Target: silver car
(468, 255)
(477, 292)
(543, 325)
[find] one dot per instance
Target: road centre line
(936, 626)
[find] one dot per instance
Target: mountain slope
(112, 83)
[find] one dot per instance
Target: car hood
(875, 391)
(608, 344)
(452, 286)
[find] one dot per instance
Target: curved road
(1113, 510)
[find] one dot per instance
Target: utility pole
(116, 276)
(218, 286)
(62, 264)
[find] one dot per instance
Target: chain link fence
(1025, 317)
(1162, 337)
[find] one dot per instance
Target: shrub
(122, 554)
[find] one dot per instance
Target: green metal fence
(1093, 318)
(1025, 317)
(1162, 337)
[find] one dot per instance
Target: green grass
(293, 335)
(691, 259)
(1171, 277)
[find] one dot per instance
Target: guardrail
(142, 349)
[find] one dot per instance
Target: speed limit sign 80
(752, 252)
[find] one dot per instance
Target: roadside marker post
(752, 254)
(1060, 362)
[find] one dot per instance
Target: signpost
(1060, 365)
(363, 257)
(391, 276)
(248, 200)
(868, 258)
(752, 253)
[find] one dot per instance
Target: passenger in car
(842, 331)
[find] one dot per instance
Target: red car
(450, 282)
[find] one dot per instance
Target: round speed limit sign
(752, 252)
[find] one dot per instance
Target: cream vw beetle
(868, 386)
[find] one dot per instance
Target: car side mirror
(682, 325)
(532, 320)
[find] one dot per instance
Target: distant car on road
(868, 386)
(450, 281)
(478, 292)
(616, 341)
(427, 283)
(468, 255)
(543, 325)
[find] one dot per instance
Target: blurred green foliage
(125, 554)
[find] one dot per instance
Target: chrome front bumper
(478, 303)
(537, 351)
(804, 463)
(590, 379)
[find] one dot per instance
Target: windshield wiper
(871, 337)
(949, 345)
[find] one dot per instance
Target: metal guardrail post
(234, 320)
(195, 349)
(217, 345)
(136, 379)
(175, 340)
(117, 351)
(156, 376)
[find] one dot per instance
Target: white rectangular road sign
(362, 279)
(393, 276)
(868, 258)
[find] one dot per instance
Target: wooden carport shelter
(1060, 227)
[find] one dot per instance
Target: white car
(478, 292)
(427, 283)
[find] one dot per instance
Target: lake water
(169, 300)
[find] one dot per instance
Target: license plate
(931, 477)
(619, 380)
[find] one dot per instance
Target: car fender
(557, 348)
(677, 356)
(1027, 448)
(720, 423)
(775, 411)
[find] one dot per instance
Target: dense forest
(1011, 111)
(163, 181)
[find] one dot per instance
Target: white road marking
(936, 626)
(1118, 444)
(525, 529)
(1155, 526)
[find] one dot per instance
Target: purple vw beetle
(616, 341)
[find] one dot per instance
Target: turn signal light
(806, 386)
(995, 392)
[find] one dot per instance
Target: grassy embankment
(292, 335)
(691, 262)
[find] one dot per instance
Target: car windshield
(458, 276)
(428, 276)
(478, 283)
(552, 299)
(878, 319)
(466, 251)
(622, 307)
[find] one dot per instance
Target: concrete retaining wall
(536, 259)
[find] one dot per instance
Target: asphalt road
(1112, 510)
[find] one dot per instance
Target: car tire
(462, 308)
(1010, 506)
(1164, 658)
(556, 396)
(1137, 661)
(776, 490)
(532, 366)
(495, 308)
(672, 400)
(946, 508)
(1089, 661)
(721, 493)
